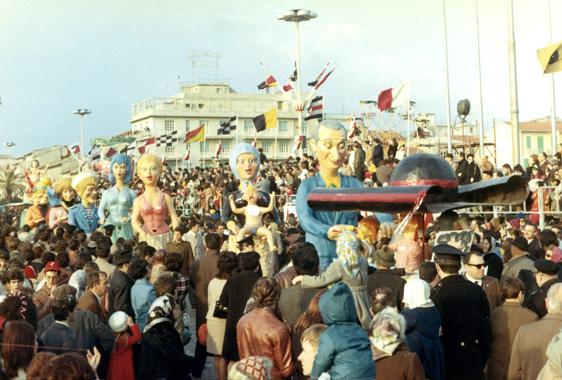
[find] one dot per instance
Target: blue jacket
(142, 296)
(344, 349)
(78, 217)
(422, 337)
(317, 223)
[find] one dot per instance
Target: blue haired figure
(117, 201)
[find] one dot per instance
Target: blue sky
(59, 55)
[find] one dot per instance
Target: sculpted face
(68, 195)
(149, 173)
(119, 170)
(330, 148)
(90, 194)
(246, 166)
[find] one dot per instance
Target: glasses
(479, 266)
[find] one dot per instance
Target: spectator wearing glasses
(475, 268)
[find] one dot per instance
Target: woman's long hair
(311, 316)
(18, 347)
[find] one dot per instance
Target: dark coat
(162, 354)
(422, 338)
(234, 296)
(294, 301)
(495, 265)
(493, 290)
(119, 293)
(466, 331)
(386, 278)
(536, 301)
(461, 172)
(359, 164)
(401, 365)
(201, 273)
(378, 154)
(473, 173)
(58, 339)
(535, 250)
(89, 301)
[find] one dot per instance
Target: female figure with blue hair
(117, 201)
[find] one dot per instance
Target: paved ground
(209, 371)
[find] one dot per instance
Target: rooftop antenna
(204, 66)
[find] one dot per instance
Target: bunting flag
(74, 148)
(187, 153)
(269, 82)
(288, 87)
(293, 77)
(144, 147)
(323, 79)
(550, 58)
(197, 135)
(316, 108)
(392, 97)
(227, 126)
(266, 120)
(298, 142)
(110, 152)
(352, 128)
(169, 139)
(315, 81)
(218, 150)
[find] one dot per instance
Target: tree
(12, 185)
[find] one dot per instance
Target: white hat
(118, 321)
(81, 177)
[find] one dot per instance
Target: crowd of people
(115, 302)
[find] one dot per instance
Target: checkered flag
(168, 139)
(227, 126)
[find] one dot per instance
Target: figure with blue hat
(117, 201)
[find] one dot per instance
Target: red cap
(52, 266)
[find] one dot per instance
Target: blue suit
(86, 221)
(317, 223)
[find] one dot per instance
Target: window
(266, 145)
(187, 126)
(226, 148)
(284, 147)
(204, 147)
(170, 149)
(283, 128)
(169, 125)
(528, 138)
(249, 129)
(540, 143)
(304, 129)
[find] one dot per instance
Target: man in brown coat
(475, 266)
(506, 320)
(96, 289)
(529, 347)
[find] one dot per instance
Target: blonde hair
(146, 158)
(63, 184)
(82, 185)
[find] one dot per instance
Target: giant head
(120, 168)
(328, 143)
(244, 161)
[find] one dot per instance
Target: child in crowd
(127, 334)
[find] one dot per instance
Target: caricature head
(85, 186)
(368, 229)
(64, 190)
(149, 169)
(120, 168)
(40, 195)
(328, 142)
(244, 161)
(34, 164)
(251, 194)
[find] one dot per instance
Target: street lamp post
(297, 16)
(10, 145)
(82, 112)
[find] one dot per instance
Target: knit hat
(251, 368)
(385, 257)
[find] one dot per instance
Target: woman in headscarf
(422, 327)
(392, 358)
(351, 268)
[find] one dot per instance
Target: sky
(59, 55)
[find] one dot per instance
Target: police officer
(546, 275)
(465, 317)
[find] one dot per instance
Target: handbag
(220, 310)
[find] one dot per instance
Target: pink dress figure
(151, 209)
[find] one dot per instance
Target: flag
(352, 128)
(167, 139)
(269, 82)
(227, 126)
(218, 150)
(324, 78)
(315, 81)
(293, 77)
(186, 155)
(144, 147)
(74, 148)
(110, 152)
(197, 135)
(266, 120)
(392, 97)
(298, 142)
(287, 87)
(550, 58)
(316, 108)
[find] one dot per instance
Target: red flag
(323, 79)
(149, 141)
(110, 152)
(75, 148)
(352, 128)
(298, 142)
(287, 87)
(187, 153)
(392, 97)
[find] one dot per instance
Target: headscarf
(388, 329)
(159, 311)
(556, 255)
(251, 368)
(416, 294)
(348, 248)
(239, 149)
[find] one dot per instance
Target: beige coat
(529, 347)
(506, 320)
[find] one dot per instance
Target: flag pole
(553, 87)
(481, 129)
(513, 84)
(237, 128)
(449, 132)
(177, 146)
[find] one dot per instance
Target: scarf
(159, 311)
(348, 247)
